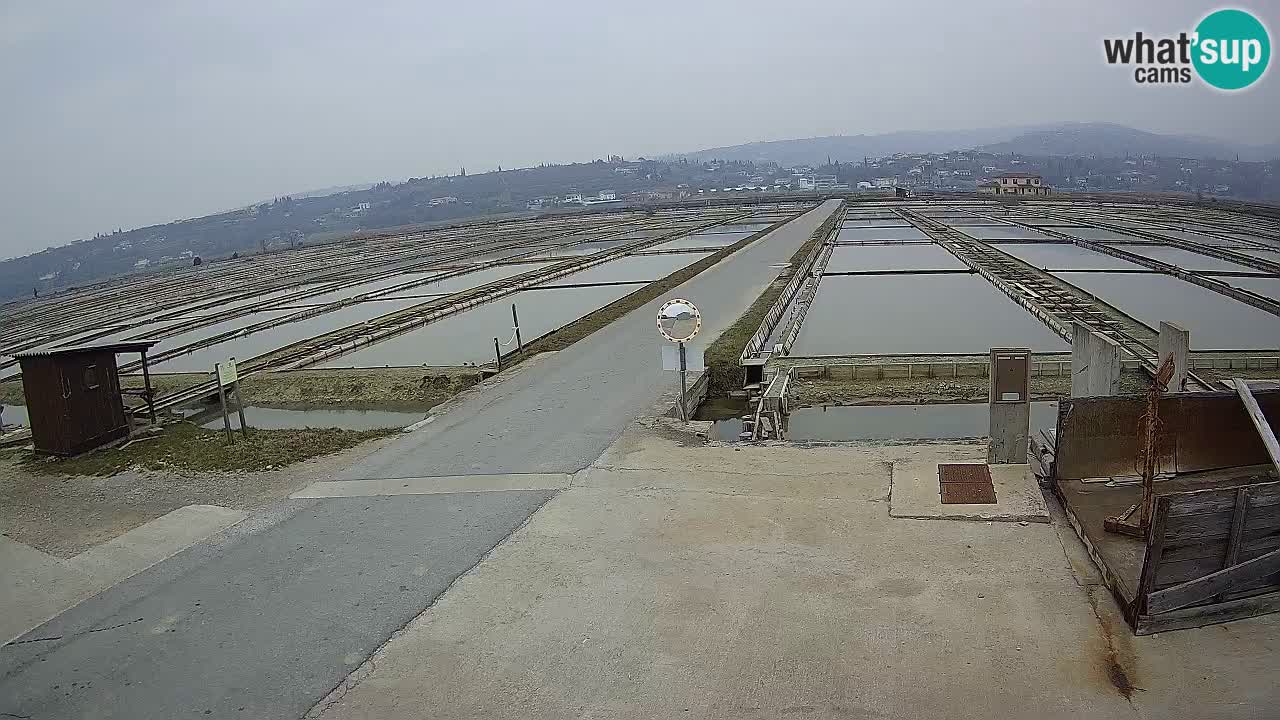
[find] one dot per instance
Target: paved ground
(265, 618)
(257, 624)
(39, 586)
(703, 582)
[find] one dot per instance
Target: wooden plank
(1234, 540)
(1249, 548)
(1261, 521)
(1191, 592)
(1259, 421)
(1266, 583)
(1195, 617)
(1194, 550)
(1156, 534)
(1174, 573)
(1222, 499)
(1186, 529)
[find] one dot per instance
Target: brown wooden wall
(67, 415)
(1212, 555)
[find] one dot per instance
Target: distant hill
(319, 216)
(1108, 140)
(816, 151)
(1074, 139)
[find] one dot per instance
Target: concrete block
(914, 493)
(1095, 363)
(1010, 432)
(1175, 341)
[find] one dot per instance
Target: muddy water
(881, 233)
(864, 258)
(1216, 322)
(14, 415)
(719, 239)
(1065, 256)
(726, 414)
(1004, 232)
(1102, 234)
(634, 268)
(846, 423)
(903, 422)
(482, 325)
(1185, 259)
(1266, 286)
(916, 314)
(467, 338)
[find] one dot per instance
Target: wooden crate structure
(1212, 556)
(1212, 550)
(74, 400)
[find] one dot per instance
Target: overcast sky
(121, 114)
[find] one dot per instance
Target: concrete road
(559, 415)
(259, 623)
(266, 618)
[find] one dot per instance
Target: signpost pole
(235, 387)
(244, 427)
(678, 321)
(222, 397)
(684, 389)
(515, 320)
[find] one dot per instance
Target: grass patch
(721, 356)
(185, 448)
(416, 388)
(573, 332)
(11, 393)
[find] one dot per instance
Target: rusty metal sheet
(966, 484)
(1217, 432)
(1010, 375)
(964, 473)
(1100, 436)
(956, 493)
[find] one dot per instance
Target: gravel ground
(66, 515)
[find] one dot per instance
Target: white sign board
(692, 358)
(226, 372)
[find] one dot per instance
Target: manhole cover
(964, 473)
(966, 484)
(968, 494)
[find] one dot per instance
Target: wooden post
(497, 353)
(1259, 420)
(515, 320)
(683, 384)
(222, 397)
(146, 383)
(244, 427)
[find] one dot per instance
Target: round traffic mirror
(679, 320)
